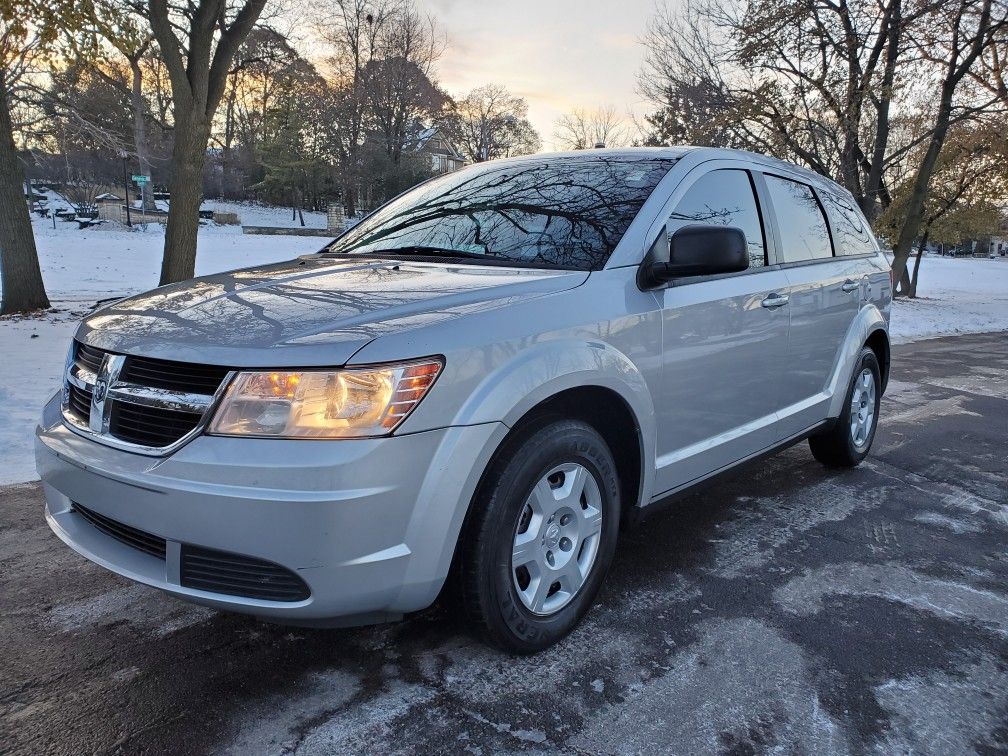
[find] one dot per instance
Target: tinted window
(565, 212)
(851, 232)
(725, 198)
(803, 230)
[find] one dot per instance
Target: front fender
(497, 404)
(869, 319)
(548, 368)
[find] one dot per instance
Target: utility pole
(129, 222)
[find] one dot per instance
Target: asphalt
(786, 609)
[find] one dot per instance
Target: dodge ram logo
(100, 389)
(105, 380)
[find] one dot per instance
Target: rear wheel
(848, 441)
(541, 536)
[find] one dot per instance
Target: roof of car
(610, 152)
(678, 151)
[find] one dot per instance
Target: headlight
(348, 403)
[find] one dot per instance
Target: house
(996, 246)
(444, 156)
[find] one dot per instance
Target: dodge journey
(479, 385)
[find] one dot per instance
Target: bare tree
(265, 68)
(118, 24)
(583, 129)
(811, 82)
(490, 123)
(835, 86)
(965, 29)
(28, 28)
(969, 182)
(398, 83)
(197, 66)
(382, 71)
(353, 29)
(684, 74)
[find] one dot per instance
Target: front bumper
(370, 525)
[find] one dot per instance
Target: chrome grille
(151, 426)
(174, 376)
(80, 403)
(140, 403)
(89, 357)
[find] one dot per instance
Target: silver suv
(485, 380)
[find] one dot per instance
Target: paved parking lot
(787, 608)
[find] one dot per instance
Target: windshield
(566, 212)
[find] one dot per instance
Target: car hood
(315, 310)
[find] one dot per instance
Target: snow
(954, 295)
(960, 295)
(249, 213)
(253, 214)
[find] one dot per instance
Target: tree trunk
(226, 190)
(198, 71)
(912, 293)
(903, 283)
(957, 69)
(186, 190)
(140, 133)
(873, 183)
(20, 275)
(349, 197)
(919, 188)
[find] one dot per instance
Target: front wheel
(848, 441)
(541, 536)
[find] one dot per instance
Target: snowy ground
(80, 267)
(954, 295)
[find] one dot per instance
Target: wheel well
(878, 342)
(608, 413)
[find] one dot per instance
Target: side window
(803, 230)
(725, 197)
(853, 235)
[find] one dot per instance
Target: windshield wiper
(443, 253)
(435, 252)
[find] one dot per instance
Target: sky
(557, 54)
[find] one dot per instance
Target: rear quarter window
(853, 235)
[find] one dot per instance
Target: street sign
(141, 179)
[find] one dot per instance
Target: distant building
(998, 245)
(444, 156)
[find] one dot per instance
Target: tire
(845, 444)
(509, 602)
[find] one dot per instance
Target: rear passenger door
(823, 299)
(724, 340)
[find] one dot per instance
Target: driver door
(724, 342)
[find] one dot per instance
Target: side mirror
(699, 251)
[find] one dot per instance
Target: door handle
(849, 285)
(775, 300)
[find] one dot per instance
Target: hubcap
(862, 409)
(556, 538)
